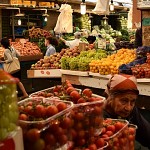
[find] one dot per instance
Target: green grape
(65, 63)
(13, 116)
(74, 63)
(3, 133)
(4, 122)
(12, 127)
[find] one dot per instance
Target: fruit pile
(26, 49)
(82, 61)
(38, 33)
(119, 134)
(53, 61)
(143, 70)
(111, 64)
(44, 123)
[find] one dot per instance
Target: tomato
(87, 92)
(51, 110)
(40, 111)
(69, 90)
(59, 132)
(119, 126)
(100, 142)
(49, 94)
(23, 117)
(81, 100)
(103, 130)
(132, 130)
(75, 96)
(50, 139)
(111, 128)
(97, 110)
(61, 106)
(62, 139)
(105, 136)
(81, 134)
(91, 139)
(73, 133)
(57, 88)
(131, 137)
(79, 116)
(21, 108)
(28, 109)
(109, 133)
(39, 144)
(92, 147)
(78, 125)
(66, 123)
(81, 142)
(29, 103)
(33, 135)
(53, 127)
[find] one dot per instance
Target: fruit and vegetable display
(111, 64)
(82, 61)
(38, 33)
(26, 49)
(8, 105)
(1, 52)
(53, 61)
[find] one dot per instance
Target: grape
(4, 122)
(74, 63)
(12, 127)
(3, 133)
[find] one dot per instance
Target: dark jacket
(138, 38)
(143, 131)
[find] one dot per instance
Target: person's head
(77, 35)
(122, 93)
(5, 43)
(91, 39)
(51, 40)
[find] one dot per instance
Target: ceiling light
(111, 6)
(83, 7)
(19, 22)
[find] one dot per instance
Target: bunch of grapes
(65, 63)
(74, 63)
(83, 64)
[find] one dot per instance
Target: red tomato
(73, 133)
(50, 139)
(132, 130)
(79, 116)
(40, 111)
(81, 134)
(92, 147)
(59, 132)
(100, 142)
(111, 128)
(109, 133)
(75, 96)
(97, 110)
(21, 108)
(119, 126)
(57, 88)
(62, 139)
(81, 100)
(33, 135)
(87, 92)
(51, 110)
(61, 106)
(131, 137)
(69, 90)
(66, 123)
(29, 103)
(81, 142)
(28, 109)
(23, 117)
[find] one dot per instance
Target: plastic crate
(122, 139)
(51, 127)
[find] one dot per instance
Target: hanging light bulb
(19, 22)
(83, 7)
(111, 6)
(45, 19)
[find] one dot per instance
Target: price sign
(143, 4)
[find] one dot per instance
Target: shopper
(91, 39)
(50, 42)
(122, 94)
(8, 53)
(138, 38)
(73, 43)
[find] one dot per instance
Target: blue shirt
(50, 50)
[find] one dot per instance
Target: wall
(136, 14)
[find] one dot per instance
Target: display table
(51, 73)
(96, 80)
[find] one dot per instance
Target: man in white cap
(75, 42)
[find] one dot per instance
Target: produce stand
(96, 80)
(30, 58)
(51, 73)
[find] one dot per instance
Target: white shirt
(73, 43)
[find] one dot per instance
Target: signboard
(146, 21)
(143, 4)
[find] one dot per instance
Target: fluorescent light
(83, 8)
(19, 22)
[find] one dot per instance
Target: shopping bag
(12, 67)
